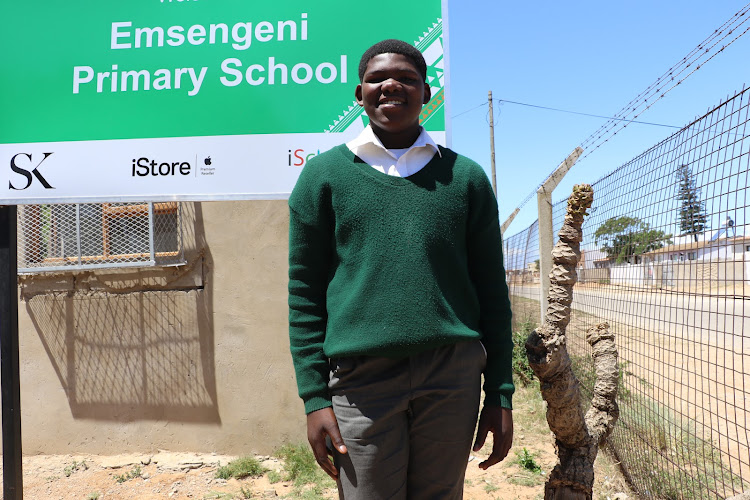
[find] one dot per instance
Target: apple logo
(207, 161)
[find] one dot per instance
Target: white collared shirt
(395, 162)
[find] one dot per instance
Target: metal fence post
(526, 249)
(546, 238)
(79, 248)
(507, 222)
(151, 248)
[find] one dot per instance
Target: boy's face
(393, 93)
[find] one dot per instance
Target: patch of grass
(299, 464)
(218, 495)
(273, 477)
(523, 310)
(134, 473)
(609, 480)
(246, 492)
(93, 495)
(490, 487)
(303, 471)
(530, 411)
(520, 361)
(310, 494)
(75, 467)
(241, 468)
(666, 459)
(526, 478)
(527, 462)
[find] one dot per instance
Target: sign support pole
(10, 386)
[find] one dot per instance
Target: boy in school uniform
(397, 297)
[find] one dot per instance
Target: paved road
(719, 320)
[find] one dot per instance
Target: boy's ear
(358, 95)
(427, 93)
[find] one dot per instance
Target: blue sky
(584, 56)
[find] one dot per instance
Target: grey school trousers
(407, 423)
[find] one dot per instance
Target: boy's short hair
(393, 46)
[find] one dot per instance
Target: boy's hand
(322, 423)
(500, 422)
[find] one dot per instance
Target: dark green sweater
(391, 266)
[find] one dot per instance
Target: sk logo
(27, 173)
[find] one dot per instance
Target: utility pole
(492, 145)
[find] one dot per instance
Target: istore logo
(143, 167)
(25, 172)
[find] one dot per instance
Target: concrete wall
(687, 275)
(193, 358)
(628, 274)
(594, 275)
(697, 273)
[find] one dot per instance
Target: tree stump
(577, 436)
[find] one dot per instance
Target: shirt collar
(368, 137)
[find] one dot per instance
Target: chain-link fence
(99, 235)
(666, 261)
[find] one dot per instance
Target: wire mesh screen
(666, 262)
(98, 235)
(521, 256)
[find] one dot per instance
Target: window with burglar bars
(98, 235)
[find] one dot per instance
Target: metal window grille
(99, 235)
(675, 288)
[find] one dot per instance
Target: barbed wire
(686, 61)
(585, 114)
(632, 109)
(593, 140)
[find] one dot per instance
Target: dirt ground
(181, 476)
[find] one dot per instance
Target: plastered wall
(191, 358)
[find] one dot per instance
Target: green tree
(691, 213)
(625, 237)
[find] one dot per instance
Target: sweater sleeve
(485, 253)
(310, 237)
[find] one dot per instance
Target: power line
(585, 114)
(469, 110)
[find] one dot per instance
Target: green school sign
(233, 96)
